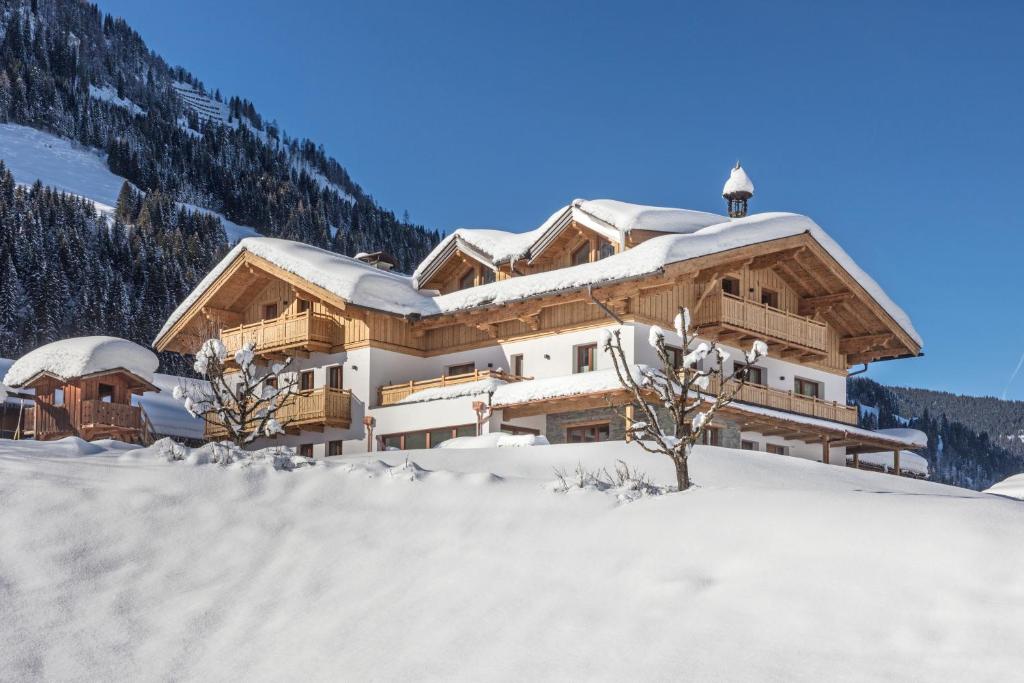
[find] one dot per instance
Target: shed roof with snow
(69, 359)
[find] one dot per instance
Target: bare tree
(243, 402)
(684, 392)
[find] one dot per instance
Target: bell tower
(737, 190)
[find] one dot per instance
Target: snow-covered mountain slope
(32, 154)
(117, 565)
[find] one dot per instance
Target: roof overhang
(788, 426)
(137, 382)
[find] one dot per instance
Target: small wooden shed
(83, 387)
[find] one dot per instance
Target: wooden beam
(812, 304)
(864, 342)
(825, 450)
(896, 462)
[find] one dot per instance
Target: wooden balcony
(730, 315)
(792, 402)
(306, 332)
(395, 393)
(98, 414)
(307, 410)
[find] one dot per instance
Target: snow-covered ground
(32, 155)
(469, 566)
(1011, 487)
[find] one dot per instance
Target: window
(675, 354)
(770, 298)
(731, 285)
(776, 449)
(105, 393)
(424, 439)
(712, 436)
(749, 445)
(306, 380)
(517, 365)
(488, 276)
(515, 429)
(58, 397)
(806, 387)
(605, 250)
(306, 450)
(270, 382)
(334, 447)
(587, 433)
(334, 377)
(467, 280)
(755, 375)
(581, 255)
(586, 356)
(464, 369)
(302, 305)
(269, 311)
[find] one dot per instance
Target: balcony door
(334, 377)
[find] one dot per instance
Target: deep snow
(467, 565)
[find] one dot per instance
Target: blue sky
(896, 126)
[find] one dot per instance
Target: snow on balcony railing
(396, 393)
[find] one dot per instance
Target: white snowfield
(33, 155)
(467, 565)
(81, 356)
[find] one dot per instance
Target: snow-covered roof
(605, 381)
(738, 181)
(528, 391)
(363, 285)
(80, 356)
(627, 217)
(483, 386)
(166, 413)
(909, 462)
(608, 217)
(350, 279)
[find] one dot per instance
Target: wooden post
(896, 462)
(824, 450)
(368, 422)
(629, 422)
(856, 461)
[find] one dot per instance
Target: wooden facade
(98, 406)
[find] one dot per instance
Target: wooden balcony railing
(323, 407)
(772, 323)
(308, 331)
(395, 393)
(793, 402)
(103, 414)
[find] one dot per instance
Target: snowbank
(1011, 487)
(81, 356)
(465, 565)
(496, 440)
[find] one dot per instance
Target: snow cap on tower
(737, 190)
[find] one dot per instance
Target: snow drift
(466, 564)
